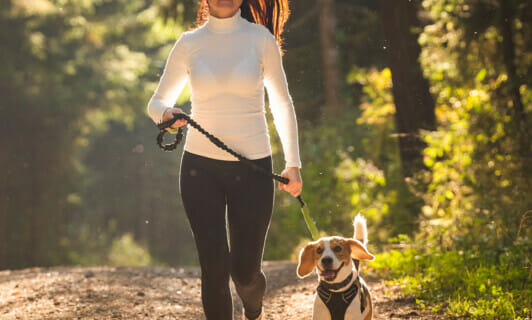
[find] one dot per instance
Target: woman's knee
(215, 273)
(245, 277)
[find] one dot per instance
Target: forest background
(415, 113)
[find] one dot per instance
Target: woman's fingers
(180, 122)
(295, 184)
(294, 188)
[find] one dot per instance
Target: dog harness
(337, 302)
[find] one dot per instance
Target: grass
(467, 284)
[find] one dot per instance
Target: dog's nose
(327, 261)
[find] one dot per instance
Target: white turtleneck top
(228, 62)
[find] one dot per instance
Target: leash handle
(168, 123)
(162, 131)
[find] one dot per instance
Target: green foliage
(471, 256)
(479, 171)
(89, 245)
(468, 283)
(126, 252)
(351, 164)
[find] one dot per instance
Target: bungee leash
(311, 225)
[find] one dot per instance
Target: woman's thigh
(249, 208)
(204, 202)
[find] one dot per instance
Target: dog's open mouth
(330, 275)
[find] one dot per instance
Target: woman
(229, 60)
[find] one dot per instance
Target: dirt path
(163, 293)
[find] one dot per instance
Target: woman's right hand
(295, 184)
(169, 114)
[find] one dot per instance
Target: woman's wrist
(166, 112)
(292, 167)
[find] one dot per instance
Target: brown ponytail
(270, 13)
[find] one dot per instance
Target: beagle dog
(341, 293)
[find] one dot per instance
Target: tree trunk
(508, 50)
(33, 251)
(413, 101)
(4, 209)
(329, 54)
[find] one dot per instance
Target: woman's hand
(295, 185)
(169, 114)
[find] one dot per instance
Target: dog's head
(333, 256)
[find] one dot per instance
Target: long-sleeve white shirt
(228, 62)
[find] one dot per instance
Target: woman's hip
(227, 173)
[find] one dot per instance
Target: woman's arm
(281, 103)
(171, 83)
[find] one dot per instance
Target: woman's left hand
(295, 185)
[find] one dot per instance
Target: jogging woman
(229, 58)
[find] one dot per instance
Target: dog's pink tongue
(328, 274)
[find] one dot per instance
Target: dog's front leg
(320, 311)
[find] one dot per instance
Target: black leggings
(207, 186)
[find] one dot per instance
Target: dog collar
(337, 286)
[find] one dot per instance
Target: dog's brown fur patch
(344, 255)
(367, 303)
(308, 258)
(359, 251)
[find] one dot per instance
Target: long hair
(270, 13)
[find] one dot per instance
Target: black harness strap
(337, 302)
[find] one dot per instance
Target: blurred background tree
(76, 75)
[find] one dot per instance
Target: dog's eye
(319, 251)
(337, 249)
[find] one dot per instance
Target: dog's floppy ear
(306, 260)
(359, 251)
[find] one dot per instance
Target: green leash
(311, 225)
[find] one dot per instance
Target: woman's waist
(233, 132)
(200, 155)
(250, 146)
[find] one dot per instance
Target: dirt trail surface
(165, 293)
